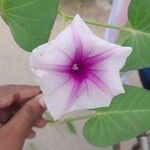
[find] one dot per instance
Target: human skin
(20, 111)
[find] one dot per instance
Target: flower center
(79, 71)
(75, 67)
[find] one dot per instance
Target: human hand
(19, 112)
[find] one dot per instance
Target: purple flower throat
(82, 68)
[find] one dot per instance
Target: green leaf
(127, 117)
(71, 127)
(30, 21)
(138, 35)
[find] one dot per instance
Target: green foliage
(30, 21)
(138, 35)
(127, 117)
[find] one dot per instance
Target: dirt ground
(14, 70)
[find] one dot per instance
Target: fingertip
(41, 101)
(37, 89)
(28, 92)
(31, 134)
(5, 102)
(40, 123)
(34, 90)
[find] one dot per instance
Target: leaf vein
(27, 4)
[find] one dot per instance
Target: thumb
(20, 125)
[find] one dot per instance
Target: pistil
(75, 67)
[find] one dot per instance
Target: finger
(41, 101)
(31, 134)
(7, 113)
(15, 93)
(4, 116)
(1, 125)
(26, 92)
(40, 123)
(6, 102)
(24, 119)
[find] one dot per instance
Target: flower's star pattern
(78, 70)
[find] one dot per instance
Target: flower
(118, 16)
(77, 70)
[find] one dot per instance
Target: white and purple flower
(78, 70)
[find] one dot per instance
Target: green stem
(73, 119)
(96, 23)
(63, 20)
(63, 23)
(100, 24)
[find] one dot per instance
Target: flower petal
(112, 81)
(110, 58)
(56, 100)
(92, 98)
(83, 32)
(113, 56)
(44, 60)
(99, 93)
(76, 34)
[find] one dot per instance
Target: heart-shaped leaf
(127, 117)
(30, 21)
(137, 35)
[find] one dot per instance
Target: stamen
(75, 67)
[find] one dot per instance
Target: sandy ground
(14, 70)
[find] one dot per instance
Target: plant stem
(96, 23)
(72, 119)
(63, 20)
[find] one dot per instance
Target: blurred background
(14, 70)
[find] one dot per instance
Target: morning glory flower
(78, 70)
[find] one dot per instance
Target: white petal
(117, 60)
(117, 55)
(95, 97)
(81, 29)
(65, 42)
(74, 34)
(46, 57)
(90, 99)
(112, 81)
(56, 101)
